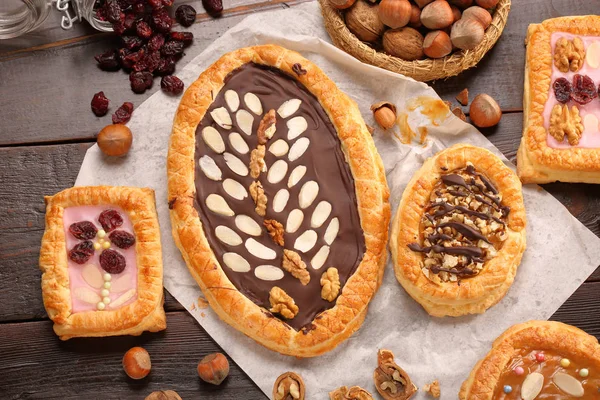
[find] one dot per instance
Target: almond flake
(296, 175)
(232, 99)
(279, 148)
(217, 204)
(236, 263)
(221, 117)
(235, 164)
(298, 149)
(280, 200)
(247, 225)
(532, 386)
(259, 250)
(92, 276)
(593, 55)
(124, 298)
(296, 127)
(227, 235)
(288, 108)
(294, 220)
(238, 143)
(87, 295)
(306, 241)
(213, 139)
(235, 189)
(268, 273)
(319, 259)
(320, 215)
(332, 231)
(277, 171)
(253, 103)
(568, 384)
(210, 168)
(244, 121)
(308, 194)
(120, 284)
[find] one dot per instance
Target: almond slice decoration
(210, 168)
(247, 225)
(253, 103)
(235, 189)
(289, 107)
(92, 276)
(277, 172)
(221, 117)
(238, 143)
(232, 99)
(217, 204)
(320, 215)
(279, 148)
(268, 273)
(296, 176)
(289, 385)
(235, 164)
(298, 149)
(296, 127)
(332, 231)
(213, 139)
(280, 200)
(532, 386)
(306, 241)
(227, 235)
(235, 262)
(391, 381)
(308, 194)
(87, 295)
(124, 298)
(295, 218)
(244, 121)
(259, 250)
(319, 259)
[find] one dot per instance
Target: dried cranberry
(129, 59)
(122, 239)
(112, 261)
(584, 89)
(123, 114)
(185, 15)
(168, 3)
(139, 8)
(119, 28)
(132, 42)
(143, 30)
(149, 62)
(213, 7)
(140, 81)
(562, 90)
(99, 104)
(83, 230)
(110, 219)
(125, 4)
(129, 20)
(101, 14)
(166, 66)
(186, 37)
(108, 61)
(161, 20)
(156, 4)
(171, 84)
(82, 252)
(172, 48)
(113, 12)
(156, 42)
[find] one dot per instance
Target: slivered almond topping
(275, 230)
(227, 235)
(292, 263)
(217, 204)
(280, 200)
(253, 103)
(295, 218)
(213, 139)
(210, 168)
(296, 127)
(235, 164)
(238, 143)
(221, 117)
(298, 149)
(235, 189)
(296, 175)
(320, 215)
(247, 225)
(268, 273)
(288, 108)
(92, 276)
(232, 99)
(259, 250)
(277, 171)
(279, 148)
(236, 262)
(319, 259)
(244, 121)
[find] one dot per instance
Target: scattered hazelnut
(466, 34)
(384, 114)
(289, 385)
(480, 15)
(437, 44)
(456, 13)
(406, 43)
(342, 4)
(437, 15)
(363, 21)
(115, 140)
(461, 3)
(415, 16)
(394, 13)
(422, 3)
(163, 395)
(213, 368)
(459, 113)
(484, 111)
(463, 97)
(136, 363)
(487, 3)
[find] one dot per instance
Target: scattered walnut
(282, 303)
(566, 122)
(257, 161)
(330, 284)
(433, 389)
(569, 54)
(267, 127)
(289, 385)
(292, 263)
(260, 199)
(353, 393)
(275, 230)
(391, 381)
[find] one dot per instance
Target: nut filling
(463, 226)
(391, 381)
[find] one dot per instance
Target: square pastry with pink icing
(101, 262)
(561, 130)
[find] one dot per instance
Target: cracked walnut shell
(282, 303)
(566, 122)
(292, 263)
(289, 385)
(569, 54)
(353, 393)
(330, 284)
(260, 199)
(391, 381)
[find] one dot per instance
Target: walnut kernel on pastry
(267, 127)
(391, 381)
(289, 384)
(433, 389)
(569, 54)
(293, 264)
(353, 393)
(282, 303)
(260, 199)
(275, 229)
(566, 122)
(257, 161)
(330, 284)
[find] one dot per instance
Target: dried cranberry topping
(110, 219)
(83, 230)
(161, 20)
(584, 89)
(213, 7)
(122, 239)
(113, 12)
(129, 20)
(132, 42)
(143, 30)
(82, 252)
(562, 90)
(100, 104)
(108, 61)
(166, 66)
(185, 15)
(168, 3)
(140, 81)
(129, 59)
(123, 113)
(171, 84)
(149, 62)
(112, 261)
(156, 4)
(156, 42)
(119, 28)
(186, 37)
(139, 8)
(172, 48)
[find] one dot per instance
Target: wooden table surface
(47, 79)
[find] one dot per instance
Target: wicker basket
(421, 70)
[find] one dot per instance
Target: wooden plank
(37, 365)
(582, 309)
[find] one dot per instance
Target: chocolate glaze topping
(325, 164)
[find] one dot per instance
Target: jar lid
(18, 17)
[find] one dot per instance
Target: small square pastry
(561, 130)
(101, 262)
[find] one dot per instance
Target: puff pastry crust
(536, 161)
(475, 294)
(565, 339)
(146, 312)
(338, 323)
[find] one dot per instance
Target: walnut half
(566, 122)
(353, 393)
(569, 54)
(289, 385)
(260, 199)
(267, 127)
(330, 284)
(433, 389)
(257, 161)
(275, 229)
(293, 264)
(391, 381)
(282, 303)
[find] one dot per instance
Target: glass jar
(18, 17)
(83, 9)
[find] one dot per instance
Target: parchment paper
(560, 253)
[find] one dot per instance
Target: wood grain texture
(37, 365)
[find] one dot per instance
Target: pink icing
(591, 135)
(129, 275)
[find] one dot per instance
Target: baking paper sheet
(560, 253)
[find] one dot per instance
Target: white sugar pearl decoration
(104, 292)
(97, 246)
(107, 285)
(106, 300)
(106, 244)
(101, 233)
(107, 277)
(100, 306)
